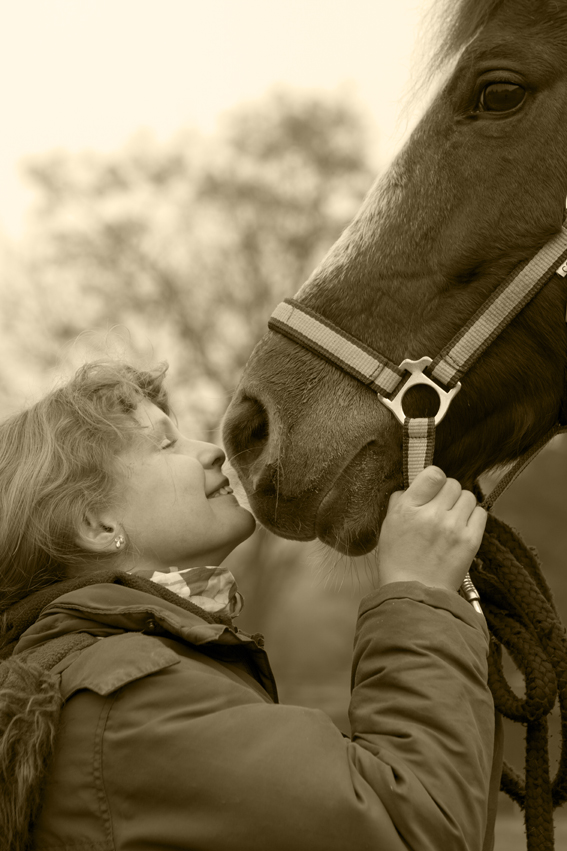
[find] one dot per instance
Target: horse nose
(246, 436)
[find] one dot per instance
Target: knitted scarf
(30, 699)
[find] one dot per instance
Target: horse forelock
(454, 25)
(448, 27)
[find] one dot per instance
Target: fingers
(449, 495)
(433, 487)
(431, 532)
(470, 516)
(426, 486)
(469, 519)
(477, 523)
(464, 506)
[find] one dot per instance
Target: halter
(442, 373)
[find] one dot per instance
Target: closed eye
(167, 443)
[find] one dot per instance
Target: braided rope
(522, 617)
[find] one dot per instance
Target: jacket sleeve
(194, 762)
(422, 715)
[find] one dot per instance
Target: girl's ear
(98, 533)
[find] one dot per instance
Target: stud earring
(119, 541)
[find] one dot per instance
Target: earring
(119, 541)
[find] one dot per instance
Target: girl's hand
(431, 533)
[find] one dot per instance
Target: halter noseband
(390, 381)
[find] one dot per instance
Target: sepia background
(169, 171)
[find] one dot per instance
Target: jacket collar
(20, 616)
(111, 609)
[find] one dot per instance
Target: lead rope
(521, 617)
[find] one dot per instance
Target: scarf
(211, 588)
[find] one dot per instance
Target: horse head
(479, 187)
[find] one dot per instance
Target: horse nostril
(246, 431)
(258, 424)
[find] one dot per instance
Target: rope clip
(417, 376)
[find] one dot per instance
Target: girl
(134, 715)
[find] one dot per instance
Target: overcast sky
(88, 74)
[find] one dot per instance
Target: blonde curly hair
(58, 460)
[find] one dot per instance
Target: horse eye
(501, 97)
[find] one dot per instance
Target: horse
(478, 188)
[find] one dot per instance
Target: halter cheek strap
(390, 381)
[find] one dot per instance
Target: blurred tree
(193, 243)
(190, 245)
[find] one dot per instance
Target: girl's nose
(210, 455)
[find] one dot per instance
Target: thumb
(426, 485)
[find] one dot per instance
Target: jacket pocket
(113, 662)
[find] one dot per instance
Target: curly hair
(58, 460)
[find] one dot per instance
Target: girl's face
(172, 506)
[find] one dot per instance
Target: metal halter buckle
(416, 367)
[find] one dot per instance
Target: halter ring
(416, 367)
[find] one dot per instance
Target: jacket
(171, 736)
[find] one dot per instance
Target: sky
(89, 74)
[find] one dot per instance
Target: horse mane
(453, 25)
